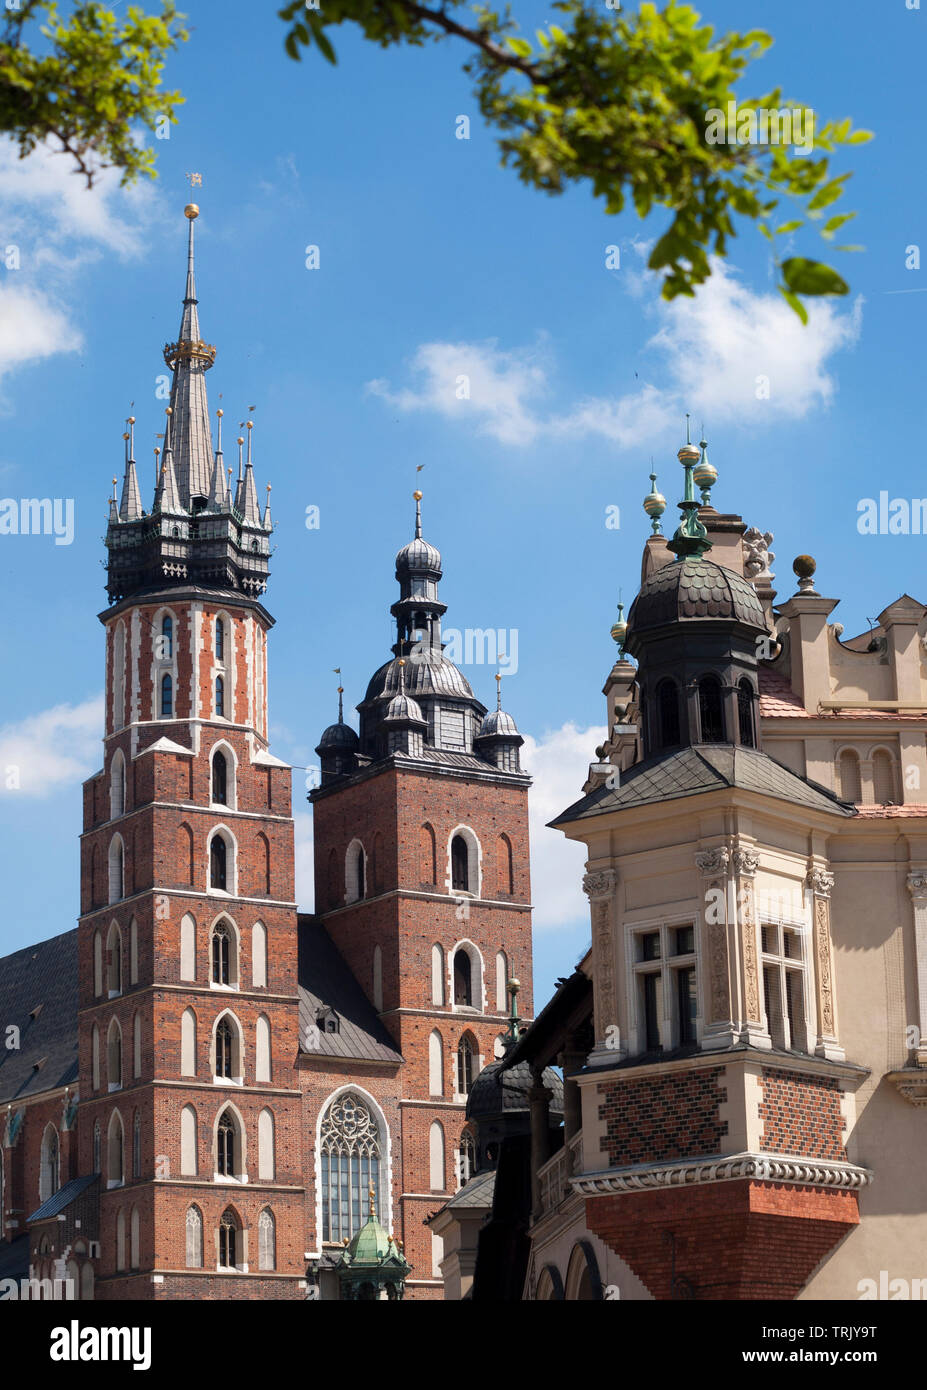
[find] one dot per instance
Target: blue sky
(435, 261)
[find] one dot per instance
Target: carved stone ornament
(825, 982)
(599, 884)
(917, 884)
(757, 554)
(821, 881)
(712, 862)
(745, 861)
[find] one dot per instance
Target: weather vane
(196, 180)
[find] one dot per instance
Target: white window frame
(666, 966)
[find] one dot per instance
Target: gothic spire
(190, 358)
(130, 506)
(248, 505)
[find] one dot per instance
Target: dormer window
(327, 1020)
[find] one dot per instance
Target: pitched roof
(62, 1198)
(702, 768)
(46, 975)
(475, 1193)
(777, 698)
(326, 980)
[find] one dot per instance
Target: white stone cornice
(755, 1167)
(600, 884)
(820, 881)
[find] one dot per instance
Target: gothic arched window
(745, 713)
(48, 1175)
(221, 954)
(668, 713)
(194, 1238)
(220, 697)
(167, 696)
(167, 636)
(224, 1049)
(710, 710)
(227, 1146)
(228, 1239)
(217, 863)
(97, 1148)
(467, 1157)
(137, 1146)
(465, 1065)
(460, 864)
(350, 1145)
(463, 978)
(267, 1240)
(219, 778)
(220, 640)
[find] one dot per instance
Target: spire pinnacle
(498, 690)
(418, 514)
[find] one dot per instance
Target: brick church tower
(422, 882)
(188, 936)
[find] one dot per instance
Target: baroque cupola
(693, 630)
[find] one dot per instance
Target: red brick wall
(801, 1115)
(662, 1117)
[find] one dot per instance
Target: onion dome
(337, 736)
(498, 738)
(693, 589)
(418, 556)
(655, 505)
(704, 474)
(428, 672)
(402, 709)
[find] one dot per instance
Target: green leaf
(790, 226)
(794, 301)
(835, 222)
(812, 277)
(521, 47)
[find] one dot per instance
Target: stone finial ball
(804, 566)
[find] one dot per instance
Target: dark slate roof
(46, 975)
(702, 768)
(62, 1198)
(427, 673)
(475, 1193)
(499, 1090)
(694, 588)
(325, 980)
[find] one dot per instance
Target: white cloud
(558, 762)
(712, 353)
(55, 227)
(305, 873)
(57, 747)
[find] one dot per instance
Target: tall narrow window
(228, 1240)
(224, 1049)
(220, 640)
(219, 778)
(350, 1144)
(460, 864)
(225, 1155)
(95, 1058)
(116, 869)
(167, 696)
(221, 954)
(48, 1176)
(220, 697)
(883, 782)
(437, 975)
(137, 1146)
(114, 1056)
(97, 1148)
(116, 1147)
(267, 1240)
(745, 713)
(465, 1056)
(188, 1141)
(114, 961)
(710, 710)
(167, 639)
(848, 769)
(668, 713)
(467, 1157)
(217, 863)
(194, 1238)
(117, 785)
(463, 978)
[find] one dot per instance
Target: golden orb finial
(220, 412)
(417, 495)
(191, 211)
(131, 420)
(249, 425)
